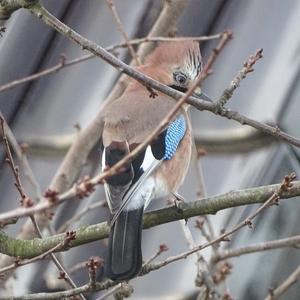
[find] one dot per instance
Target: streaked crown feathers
(182, 56)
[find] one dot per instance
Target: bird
(160, 169)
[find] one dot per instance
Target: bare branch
(88, 185)
(248, 68)
(161, 249)
(273, 199)
(94, 286)
(50, 20)
(64, 62)
(63, 274)
(207, 70)
(87, 138)
(25, 200)
(116, 16)
(285, 285)
(86, 234)
(265, 246)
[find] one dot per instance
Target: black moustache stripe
(178, 88)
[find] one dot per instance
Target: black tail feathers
(124, 257)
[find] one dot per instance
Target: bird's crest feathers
(184, 54)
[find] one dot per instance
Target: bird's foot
(177, 200)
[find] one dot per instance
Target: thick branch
(7, 7)
(94, 286)
(86, 234)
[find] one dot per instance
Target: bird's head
(180, 63)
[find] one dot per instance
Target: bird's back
(134, 116)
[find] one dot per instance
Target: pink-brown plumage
(127, 122)
(170, 54)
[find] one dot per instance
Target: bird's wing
(128, 121)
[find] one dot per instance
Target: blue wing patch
(175, 133)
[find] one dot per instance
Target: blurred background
(46, 112)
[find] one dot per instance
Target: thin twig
(273, 199)
(92, 265)
(24, 161)
(264, 246)
(247, 68)
(82, 265)
(202, 193)
(55, 295)
(285, 285)
(64, 63)
(135, 57)
(25, 200)
(63, 271)
(161, 249)
(203, 279)
(207, 70)
(120, 26)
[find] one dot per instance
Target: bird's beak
(198, 93)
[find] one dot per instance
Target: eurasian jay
(159, 170)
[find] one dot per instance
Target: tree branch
(87, 186)
(264, 246)
(87, 138)
(211, 205)
(286, 185)
(285, 285)
(64, 63)
(50, 20)
(121, 29)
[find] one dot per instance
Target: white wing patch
(106, 186)
(149, 159)
(103, 160)
(141, 193)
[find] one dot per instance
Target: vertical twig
(227, 35)
(120, 26)
(25, 200)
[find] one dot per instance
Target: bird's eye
(180, 78)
